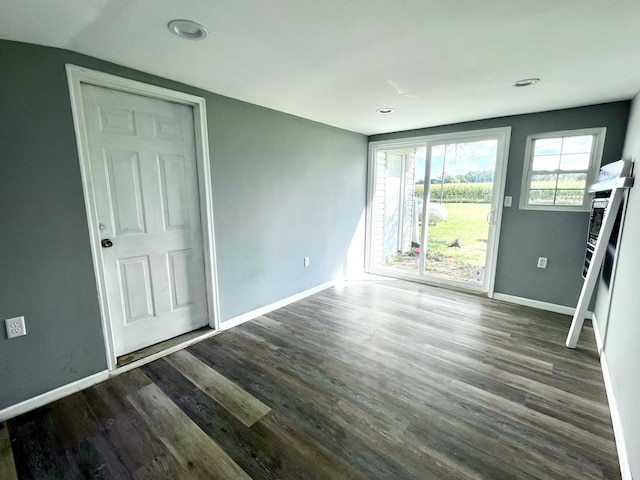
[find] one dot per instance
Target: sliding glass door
(434, 207)
(397, 208)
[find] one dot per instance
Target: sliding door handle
(490, 218)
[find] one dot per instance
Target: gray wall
(525, 234)
(283, 188)
(620, 326)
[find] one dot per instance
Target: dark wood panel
(197, 454)
(38, 448)
(262, 451)
(7, 465)
(242, 405)
(301, 402)
(373, 380)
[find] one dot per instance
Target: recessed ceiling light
(385, 111)
(188, 29)
(526, 82)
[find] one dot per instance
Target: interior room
(315, 240)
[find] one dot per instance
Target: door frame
(76, 76)
(504, 136)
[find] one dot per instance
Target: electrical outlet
(507, 201)
(306, 261)
(15, 327)
(542, 262)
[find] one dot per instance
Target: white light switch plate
(507, 201)
(15, 327)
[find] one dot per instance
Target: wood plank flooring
(7, 466)
(373, 380)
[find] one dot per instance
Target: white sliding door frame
(503, 135)
(76, 76)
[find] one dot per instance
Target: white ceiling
(337, 61)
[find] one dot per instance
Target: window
(559, 167)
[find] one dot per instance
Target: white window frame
(594, 165)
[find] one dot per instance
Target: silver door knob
(106, 243)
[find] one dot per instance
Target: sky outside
(461, 158)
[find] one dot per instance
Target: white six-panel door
(144, 177)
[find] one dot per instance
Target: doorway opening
(147, 186)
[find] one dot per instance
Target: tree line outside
(477, 187)
(475, 176)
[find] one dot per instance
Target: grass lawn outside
(467, 221)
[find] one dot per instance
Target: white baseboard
(596, 333)
(527, 302)
(73, 387)
(245, 317)
(52, 395)
(618, 432)
(616, 421)
(621, 445)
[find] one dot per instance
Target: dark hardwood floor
(373, 380)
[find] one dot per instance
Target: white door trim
(504, 136)
(76, 76)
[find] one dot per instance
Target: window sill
(555, 208)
